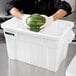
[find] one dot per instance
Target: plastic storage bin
(46, 49)
(71, 70)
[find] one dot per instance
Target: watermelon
(35, 21)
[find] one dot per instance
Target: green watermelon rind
(35, 20)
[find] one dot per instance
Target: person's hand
(49, 20)
(24, 17)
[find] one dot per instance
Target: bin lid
(56, 29)
(71, 70)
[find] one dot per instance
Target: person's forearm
(15, 12)
(59, 14)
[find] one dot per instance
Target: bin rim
(39, 33)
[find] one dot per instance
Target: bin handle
(9, 33)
